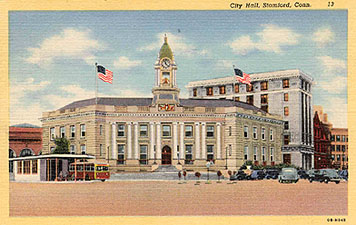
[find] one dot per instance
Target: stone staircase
(166, 168)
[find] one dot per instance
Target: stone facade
(285, 93)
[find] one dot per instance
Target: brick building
(339, 148)
(322, 144)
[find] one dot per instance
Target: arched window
(11, 154)
(26, 152)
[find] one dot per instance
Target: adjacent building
(339, 148)
(140, 134)
(322, 144)
(285, 93)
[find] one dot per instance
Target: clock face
(166, 63)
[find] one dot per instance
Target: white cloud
(70, 43)
(332, 65)
(271, 39)
(18, 89)
(336, 85)
(125, 63)
(178, 44)
(225, 63)
(336, 107)
(26, 114)
(323, 36)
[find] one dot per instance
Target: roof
(53, 156)
(148, 102)
(165, 51)
(25, 125)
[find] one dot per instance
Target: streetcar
(89, 171)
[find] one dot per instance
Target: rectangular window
(72, 149)
(209, 91)
(143, 154)
(83, 149)
(237, 99)
(338, 158)
(287, 159)
(72, 131)
(82, 130)
(121, 130)
(264, 85)
(210, 131)
(166, 131)
(230, 150)
(264, 108)
(285, 83)
(246, 153)
(263, 133)
(210, 152)
(34, 166)
(286, 125)
(230, 130)
(52, 149)
(100, 129)
(26, 167)
(120, 154)
(246, 131)
(264, 99)
(286, 111)
(286, 139)
(63, 132)
(237, 89)
(194, 92)
(222, 90)
(19, 167)
(272, 154)
(271, 134)
(343, 148)
(249, 99)
(263, 154)
(254, 132)
(188, 154)
(333, 148)
(143, 130)
(286, 97)
(343, 138)
(100, 149)
(249, 88)
(189, 131)
(337, 137)
(52, 133)
(332, 137)
(338, 148)
(254, 153)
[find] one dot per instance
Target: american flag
(242, 77)
(104, 74)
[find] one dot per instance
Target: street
(168, 198)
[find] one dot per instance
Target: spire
(165, 51)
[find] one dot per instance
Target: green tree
(62, 146)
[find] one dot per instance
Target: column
(175, 140)
(181, 141)
(158, 141)
(113, 141)
(197, 141)
(135, 140)
(152, 140)
(203, 141)
(129, 140)
(218, 141)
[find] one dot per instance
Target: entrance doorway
(166, 155)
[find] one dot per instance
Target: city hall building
(286, 93)
(140, 134)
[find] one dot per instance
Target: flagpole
(96, 84)
(234, 80)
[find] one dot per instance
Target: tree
(62, 146)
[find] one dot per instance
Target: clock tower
(165, 91)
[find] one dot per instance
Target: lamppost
(154, 155)
(208, 164)
(226, 157)
(178, 154)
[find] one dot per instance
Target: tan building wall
(339, 148)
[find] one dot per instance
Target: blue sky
(52, 54)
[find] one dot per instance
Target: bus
(89, 171)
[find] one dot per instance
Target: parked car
(288, 175)
(257, 175)
(312, 173)
(240, 175)
(272, 174)
(303, 174)
(326, 175)
(344, 174)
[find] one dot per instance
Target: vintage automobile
(272, 174)
(240, 175)
(344, 174)
(326, 175)
(303, 174)
(257, 175)
(312, 173)
(289, 175)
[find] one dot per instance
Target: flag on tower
(242, 77)
(104, 74)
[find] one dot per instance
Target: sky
(52, 53)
